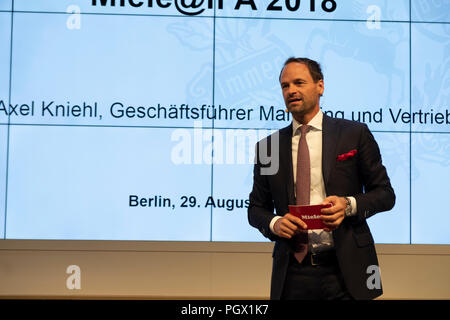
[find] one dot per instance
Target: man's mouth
(295, 100)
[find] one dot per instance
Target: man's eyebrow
(295, 80)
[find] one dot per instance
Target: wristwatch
(348, 208)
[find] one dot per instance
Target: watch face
(349, 203)
(348, 208)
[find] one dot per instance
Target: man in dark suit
(344, 169)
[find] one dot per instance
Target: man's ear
(320, 87)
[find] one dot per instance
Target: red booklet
(309, 214)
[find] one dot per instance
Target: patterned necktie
(303, 183)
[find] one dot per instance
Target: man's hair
(313, 67)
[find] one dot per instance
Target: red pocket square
(347, 155)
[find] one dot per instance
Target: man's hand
(288, 226)
(333, 216)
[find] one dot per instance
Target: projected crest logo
(431, 81)
(247, 61)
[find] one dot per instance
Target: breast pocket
(346, 163)
(346, 171)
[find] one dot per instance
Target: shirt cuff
(272, 222)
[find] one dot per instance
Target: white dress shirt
(318, 239)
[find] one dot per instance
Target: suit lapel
(330, 138)
(286, 161)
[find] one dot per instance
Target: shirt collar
(315, 123)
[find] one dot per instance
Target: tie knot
(304, 129)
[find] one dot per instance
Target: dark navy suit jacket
(362, 176)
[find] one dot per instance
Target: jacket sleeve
(261, 206)
(378, 194)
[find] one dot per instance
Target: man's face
(300, 92)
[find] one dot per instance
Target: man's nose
(291, 91)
